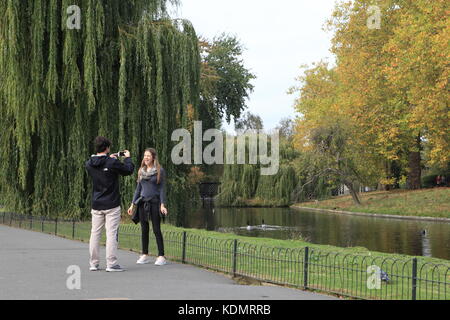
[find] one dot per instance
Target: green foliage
(242, 185)
(319, 189)
(225, 80)
(129, 74)
(429, 181)
(249, 121)
(276, 190)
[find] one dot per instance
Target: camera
(119, 154)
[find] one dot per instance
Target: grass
(259, 203)
(342, 271)
(421, 203)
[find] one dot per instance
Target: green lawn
(424, 203)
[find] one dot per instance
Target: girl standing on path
(150, 200)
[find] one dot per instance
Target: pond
(412, 237)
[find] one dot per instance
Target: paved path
(33, 265)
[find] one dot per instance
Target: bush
(429, 181)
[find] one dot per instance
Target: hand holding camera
(121, 154)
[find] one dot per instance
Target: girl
(150, 199)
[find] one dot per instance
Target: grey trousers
(111, 220)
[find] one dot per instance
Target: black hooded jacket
(105, 172)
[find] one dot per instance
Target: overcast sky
(279, 36)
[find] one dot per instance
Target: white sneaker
(143, 259)
(115, 268)
(94, 268)
(161, 261)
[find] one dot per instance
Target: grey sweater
(150, 188)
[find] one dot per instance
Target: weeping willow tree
(313, 188)
(129, 73)
(276, 190)
(243, 185)
(238, 184)
(158, 93)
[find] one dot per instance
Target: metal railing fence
(307, 268)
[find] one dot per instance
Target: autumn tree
(378, 111)
(419, 69)
(396, 78)
(324, 131)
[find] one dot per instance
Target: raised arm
(125, 169)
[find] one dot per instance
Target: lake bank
(429, 204)
(375, 215)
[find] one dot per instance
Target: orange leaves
(387, 85)
(195, 176)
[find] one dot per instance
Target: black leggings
(156, 224)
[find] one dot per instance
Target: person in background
(438, 181)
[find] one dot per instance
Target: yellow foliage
(389, 85)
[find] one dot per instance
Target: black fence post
(235, 246)
(56, 226)
(183, 256)
(73, 229)
(31, 222)
(20, 221)
(42, 224)
(414, 279)
(10, 220)
(4, 215)
(305, 268)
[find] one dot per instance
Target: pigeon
(384, 276)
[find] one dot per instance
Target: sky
(279, 37)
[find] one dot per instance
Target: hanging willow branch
(130, 73)
(241, 185)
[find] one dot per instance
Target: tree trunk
(415, 171)
(396, 172)
(387, 172)
(353, 192)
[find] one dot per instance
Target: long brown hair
(155, 164)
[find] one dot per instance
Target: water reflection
(376, 234)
